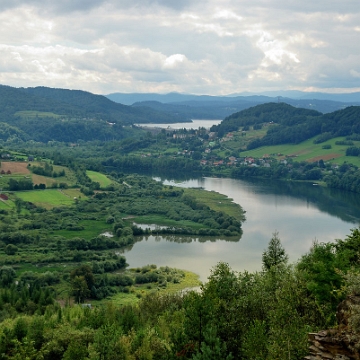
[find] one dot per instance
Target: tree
(86, 273)
(79, 289)
(275, 253)
(82, 280)
(11, 249)
(7, 275)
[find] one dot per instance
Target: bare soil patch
(300, 152)
(39, 179)
(15, 167)
(325, 157)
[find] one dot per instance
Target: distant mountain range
(218, 107)
(47, 114)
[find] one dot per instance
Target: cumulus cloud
(209, 46)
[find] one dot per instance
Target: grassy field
(49, 198)
(308, 151)
(92, 228)
(102, 179)
(6, 205)
(217, 202)
(4, 180)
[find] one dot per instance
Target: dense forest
(47, 114)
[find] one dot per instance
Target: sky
(215, 47)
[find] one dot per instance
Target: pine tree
(275, 253)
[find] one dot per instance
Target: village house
(249, 160)
(218, 163)
(212, 135)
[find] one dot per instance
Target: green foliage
(11, 249)
(7, 275)
(275, 254)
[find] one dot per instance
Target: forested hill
(101, 106)
(287, 124)
(45, 114)
(75, 103)
(218, 107)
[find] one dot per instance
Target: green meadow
(102, 179)
(308, 151)
(217, 202)
(48, 198)
(6, 205)
(92, 228)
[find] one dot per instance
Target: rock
(340, 343)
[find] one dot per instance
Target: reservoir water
(195, 124)
(301, 213)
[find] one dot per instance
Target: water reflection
(302, 213)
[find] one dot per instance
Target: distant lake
(301, 213)
(195, 124)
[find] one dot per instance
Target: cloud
(208, 46)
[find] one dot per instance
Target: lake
(195, 124)
(302, 213)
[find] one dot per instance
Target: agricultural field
(15, 167)
(51, 197)
(308, 151)
(102, 179)
(20, 169)
(6, 204)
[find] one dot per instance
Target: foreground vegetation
(264, 315)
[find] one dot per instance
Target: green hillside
(308, 151)
(290, 125)
(44, 114)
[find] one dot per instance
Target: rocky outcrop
(340, 343)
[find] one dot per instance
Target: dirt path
(64, 193)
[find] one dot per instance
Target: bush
(11, 249)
